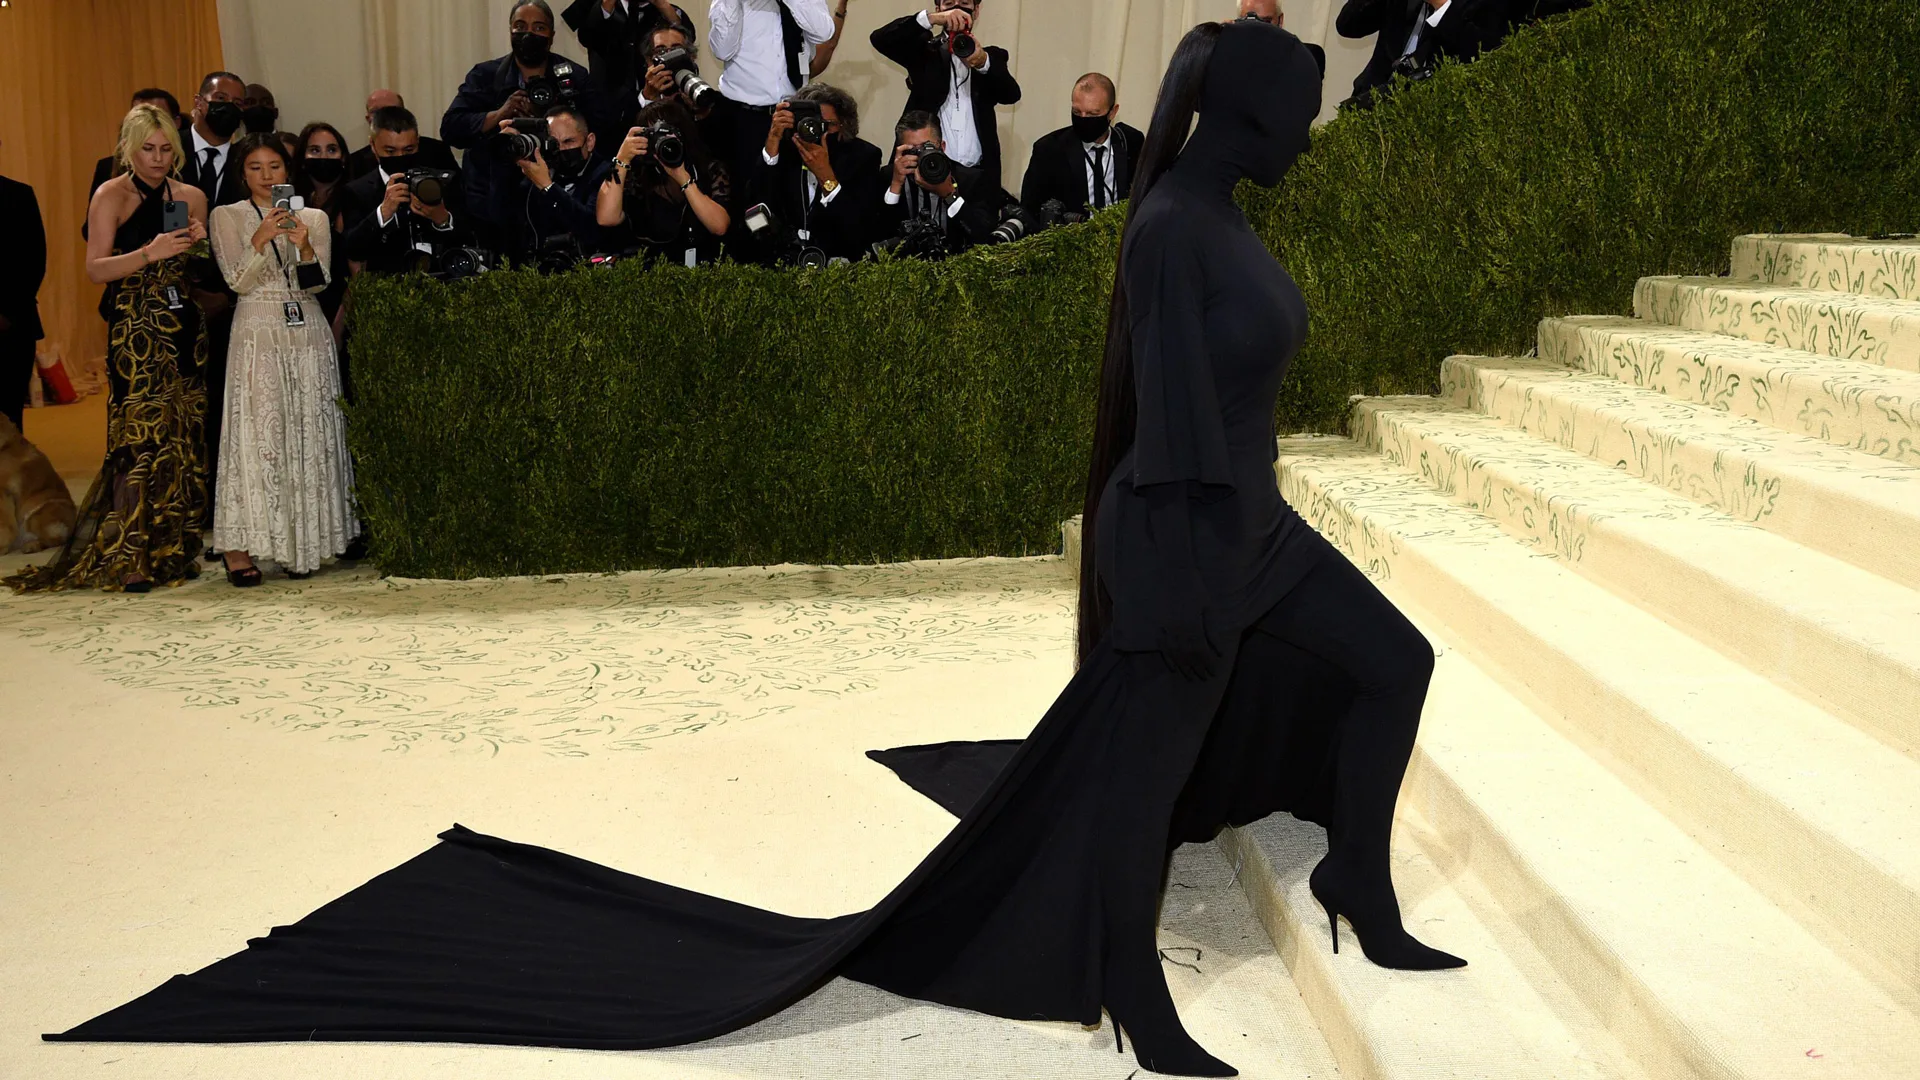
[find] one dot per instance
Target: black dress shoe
(299, 575)
(356, 550)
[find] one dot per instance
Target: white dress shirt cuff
(893, 197)
(927, 24)
(771, 159)
(381, 213)
(986, 58)
(955, 206)
(1439, 13)
(827, 199)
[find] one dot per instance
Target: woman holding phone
(140, 523)
(285, 480)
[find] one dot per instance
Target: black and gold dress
(144, 514)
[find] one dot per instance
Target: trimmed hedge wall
(659, 416)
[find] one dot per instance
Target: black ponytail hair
(1113, 427)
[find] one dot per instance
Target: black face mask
(1091, 128)
(570, 162)
(530, 48)
(260, 118)
(325, 170)
(223, 118)
(399, 163)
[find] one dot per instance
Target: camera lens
(964, 45)
(935, 166)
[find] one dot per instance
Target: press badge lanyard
(296, 314)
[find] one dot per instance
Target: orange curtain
(67, 71)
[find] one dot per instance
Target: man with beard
(516, 85)
(820, 190)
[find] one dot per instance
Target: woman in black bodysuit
(1233, 665)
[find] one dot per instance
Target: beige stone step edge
(1861, 407)
(1863, 510)
(1810, 990)
(1834, 261)
(1382, 1024)
(1854, 665)
(1840, 325)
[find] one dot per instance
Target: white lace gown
(286, 484)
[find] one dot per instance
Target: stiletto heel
(1160, 1043)
(1382, 938)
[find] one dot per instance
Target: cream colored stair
(1575, 828)
(1864, 407)
(1807, 620)
(1835, 324)
(1833, 261)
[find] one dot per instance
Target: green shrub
(656, 416)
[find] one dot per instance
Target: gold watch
(828, 187)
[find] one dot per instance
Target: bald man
(433, 153)
(1087, 165)
(1269, 11)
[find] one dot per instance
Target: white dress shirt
(1109, 178)
(1420, 31)
(956, 113)
(745, 36)
(200, 148)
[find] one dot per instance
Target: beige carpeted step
(1699, 972)
(1864, 407)
(1863, 510)
(1831, 261)
(1808, 621)
(1483, 1022)
(1840, 325)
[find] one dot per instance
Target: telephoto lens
(515, 146)
(935, 166)
(1014, 224)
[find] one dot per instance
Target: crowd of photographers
(633, 154)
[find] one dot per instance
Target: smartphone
(173, 216)
(283, 197)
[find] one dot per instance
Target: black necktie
(1099, 177)
(791, 40)
(210, 177)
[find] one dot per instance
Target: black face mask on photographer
(260, 118)
(399, 163)
(1091, 128)
(531, 49)
(223, 118)
(570, 162)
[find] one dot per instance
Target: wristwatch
(828, 187)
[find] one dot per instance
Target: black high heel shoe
(244, 578)
(1160, 1043)
(1375, 919)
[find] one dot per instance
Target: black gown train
(1042, 903)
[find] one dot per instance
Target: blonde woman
(285, 490)
(140, 525)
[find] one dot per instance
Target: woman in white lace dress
(286, 484)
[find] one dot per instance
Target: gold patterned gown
(144, 514)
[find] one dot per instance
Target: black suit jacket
(492, 186)
(434, 154)
(1469, 26)
(390, 250)
(840, 228)
(930, 79)
(233, 186)
(1058, 167)
(981, 201)
(25, 266)
(611, 39)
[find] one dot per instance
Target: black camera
(528, 137)
(809, 123)
(1015, 223)
(1054, 212)
(934, 166)
(562, 84)
(455, 264)
(678, 60)
(962, 44)
(665, 146)
(919, 238)
(1413, 68)
(767, 231)
(430, 186)
(557, 254)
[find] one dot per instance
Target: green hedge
(643, 417)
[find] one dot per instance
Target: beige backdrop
(320, 59)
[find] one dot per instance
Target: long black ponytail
(1113, 426)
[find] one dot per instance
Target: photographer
(613, 33)
(951, 75)
(525, 83)
(767, 47)
(561, 185)
(394, 225)
(812, 157)
(667, 55)
(434, 154)
(667, 196)
(1414, 36)
(934, 205)
(1087, 165)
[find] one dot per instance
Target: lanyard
(274, 246)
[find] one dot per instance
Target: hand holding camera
(952, 20)
(777, 131)
(516, 105)
(929, 166)
(523, 148)
(634, 146)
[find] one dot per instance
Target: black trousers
(219, 337)
(16, 367)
